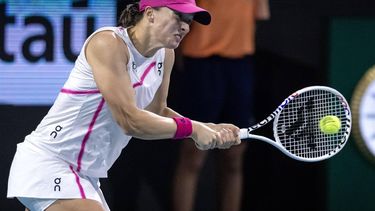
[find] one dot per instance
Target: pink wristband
(184, 127)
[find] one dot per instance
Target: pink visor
(184, 6)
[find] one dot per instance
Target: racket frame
(246, 133)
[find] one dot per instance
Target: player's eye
(184, 17)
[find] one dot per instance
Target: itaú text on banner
(39, 41)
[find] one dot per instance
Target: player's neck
(142, 40)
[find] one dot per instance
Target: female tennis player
(116, 90)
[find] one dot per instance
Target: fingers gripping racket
(296, 124)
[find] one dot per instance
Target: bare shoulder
(106, 39)
(107, 43)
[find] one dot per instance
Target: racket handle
(244, 133)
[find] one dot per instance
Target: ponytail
(130, 16)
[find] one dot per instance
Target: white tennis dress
(78, 140)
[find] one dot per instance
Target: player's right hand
(204, 136)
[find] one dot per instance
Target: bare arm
(108, 57)
(159, 106)
(159, 103)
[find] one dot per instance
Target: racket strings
(297, 126)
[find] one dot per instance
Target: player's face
(172, 26)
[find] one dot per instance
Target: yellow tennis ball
(330, 124)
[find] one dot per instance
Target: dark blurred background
(304, 43)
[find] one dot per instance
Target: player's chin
(173, 45)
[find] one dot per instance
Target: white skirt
(36, 174)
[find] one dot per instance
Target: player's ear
(149, 13)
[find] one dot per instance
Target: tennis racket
(296, 124)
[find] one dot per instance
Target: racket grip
(243, 133)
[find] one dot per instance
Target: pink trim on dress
(81, 191)
(87, 135)
(148, 69)
(76, 92)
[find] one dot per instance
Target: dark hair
(130, 15)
